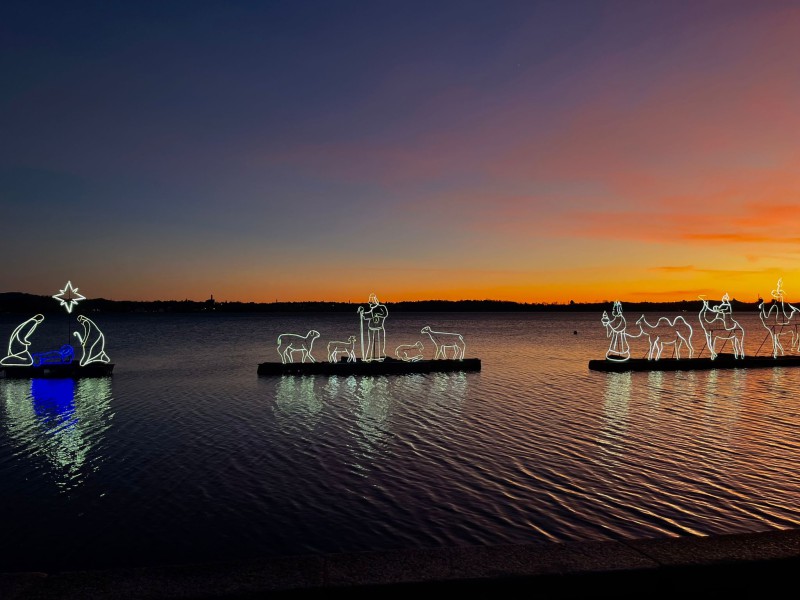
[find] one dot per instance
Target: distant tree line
(21, 303)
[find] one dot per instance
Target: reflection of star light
(69, 297)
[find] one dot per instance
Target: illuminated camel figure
(665, 332)
(780, 321)
(18, 353)
(409, 352)
(289, 343)
(337, 348)
(446, 341)
(92, 342)
(717, 327)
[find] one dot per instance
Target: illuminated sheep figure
(337, 348)
(288, 343)
(409, 352)
(446, 341)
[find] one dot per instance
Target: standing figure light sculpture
(781, 318)
(443, 342)
(18, 353)
(374, 316)
(718, 324)
(92, 342)
(618, 348)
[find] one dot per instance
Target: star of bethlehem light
(69, 297)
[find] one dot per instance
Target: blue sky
(531, 151)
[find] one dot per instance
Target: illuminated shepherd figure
(92, 342)
(781, 318)
(374, 316)
(615, 325)
(18, 353)
(718, 324)
(676, 333)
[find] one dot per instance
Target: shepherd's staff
(361, 327)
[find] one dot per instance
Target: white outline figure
(289, 343)
(337, 348)
(778, 322)
(375, 317)
(18, 353)
(92, 342)
(665, 332)
(721, 326)
(618, 348)
(69, 297)
(444, 341)
(409, 352)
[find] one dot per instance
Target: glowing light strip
(446, 341)
(289, 343)
(409, 352)
(677, 332)
(618, 348)
(337, 348)
(92, 342)
(718, 324)
(62, 356)
(779, 322)
(18, 343)
(69, 297)
(374, 316)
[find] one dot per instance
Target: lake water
(185, 454)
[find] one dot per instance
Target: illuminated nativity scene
(20, 362)
(296, 350)
(669, 344)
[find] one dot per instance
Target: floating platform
(388, 366)
(56, 370)
(722, 361)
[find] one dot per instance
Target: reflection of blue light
(53, 399)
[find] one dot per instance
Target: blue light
(54, 400)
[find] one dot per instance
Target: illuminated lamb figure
(409, 352)
(18, 353)
(780, 319)
(92, 342)
(717, 323)
(446, 341)
(337, 348)
(289, 343)
(665, 332)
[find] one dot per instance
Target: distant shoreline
(22, 303)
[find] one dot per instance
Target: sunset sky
(527, 151)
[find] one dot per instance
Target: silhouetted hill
(21, 303)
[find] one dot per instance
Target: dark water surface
(186, 454)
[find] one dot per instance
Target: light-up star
(69, 297)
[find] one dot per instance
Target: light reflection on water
(60, 420)
(185, 454)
